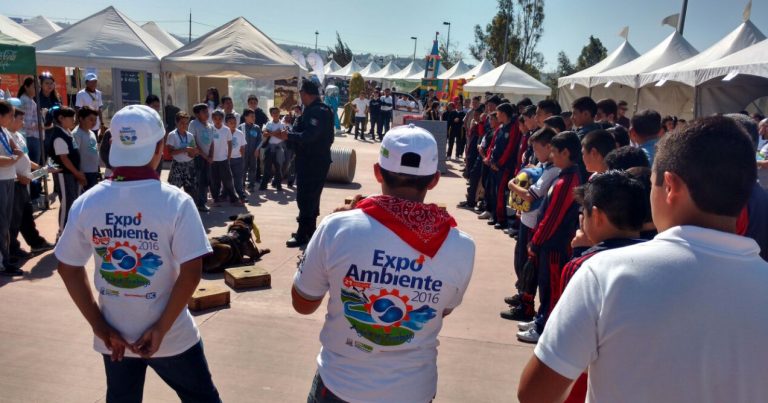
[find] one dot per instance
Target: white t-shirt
(361, 105)
(23, 166)
(389, 355)
(9, 172)
(92, 100)
(139, 233)
(221, 138)
(238, 140)
(204, 134)
(539, 191)
(388, 100)
(60, 146)
(178, 141)
(680, 318)
(274, 127)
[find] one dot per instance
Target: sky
(385, 27)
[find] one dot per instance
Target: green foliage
(591, 54)
(564, 68)
(356, 86)
(449, 57)
(340, 52)
(512, 36)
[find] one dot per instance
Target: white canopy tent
(386, 71)
(507, 79)
(370, 69)
(41, 26)
(330, 67)
(733, 82)
(418, 76)
(477, 71)
(107, 39)
(17, 31)
(578, 84)
(455, 71)
(235, 49)
(346, 71)
(162, 35)
(674, 88)
(412, 69)
(621, 83)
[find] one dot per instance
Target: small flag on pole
(624, 33)
(747, 11)
(671, 20)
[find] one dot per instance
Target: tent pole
(43, 158)
(162, 93)
(695, 101)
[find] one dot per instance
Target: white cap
(135, 129)
(409, 150)
(91, 77)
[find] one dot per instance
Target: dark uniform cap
(309, 87)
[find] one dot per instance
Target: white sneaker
(529, 336)
(523, 326)
(486, 215)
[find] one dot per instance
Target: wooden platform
(247, 277)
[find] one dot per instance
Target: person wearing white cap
(393, 267)
(147, 240)
(90, 96)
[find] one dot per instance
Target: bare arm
(522, 192)
(302, 304)
(541, 384)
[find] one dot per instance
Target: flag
(747, 11)
(672, 20)
(624, 33)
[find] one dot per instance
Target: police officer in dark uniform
(312, 137)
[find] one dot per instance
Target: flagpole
(681, 23)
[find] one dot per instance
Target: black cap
(309, 87)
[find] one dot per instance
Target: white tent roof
(751, 61)
(16, 31)
(162, 35)
(508, 79)
(621, 55)
(477, 71)
(419, 75)
(386, 71)
(104, 40)
(330, 67)
(672, 49)
(407, 72)
(457, 70)
(742, 37)
(41, 26)
(346, 71)
(235, 49)
(371, 68)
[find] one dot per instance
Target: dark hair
(248, 112)
(617, 194)
(226, 98)
(5, 107)
(86, 111)
(252, 98)
(566, 114)
(219, 113)
(398, 180)
(62, 112)
(151, 98)
(670, 118)
(715, 158)
(477, 98)
(23, 88)
(494, 100)
(529, 111)
(215, 92)
(273, 109)
(18, 112)
(199, 108)
(480, 108)
(643, 174)
(230, 116)
(506, 109)
(646, 123)
(749, 125)
(525, 102)
(568, 141)
(621, 103)
(608, 106)
(181, 115)
(549, 106)
(620, 134)
(555, 122)
(542, 136)
(626, 157)
(600, 140)
(585, 104)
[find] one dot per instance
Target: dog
(236, 247)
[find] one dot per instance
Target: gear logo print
(124, 266)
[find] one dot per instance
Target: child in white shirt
(274, 154)
(236, 156)
(221, 173)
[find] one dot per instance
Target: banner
(286, 94)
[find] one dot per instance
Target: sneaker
(484, 216)
(203, 209)
(525, 326)
(517, 313)
(529, 336)
(500, 225)
(465, 205)
(42, 247)
(514, 300)
(11, 270)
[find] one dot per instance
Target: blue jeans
(236, 165)
(187, 373)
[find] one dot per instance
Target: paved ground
(260, 350)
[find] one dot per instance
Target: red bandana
(422, 226)
(127, 174)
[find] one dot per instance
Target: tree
(449, 57)
(564, 68)
(512, 36)
(340, 52)
(591, 54)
